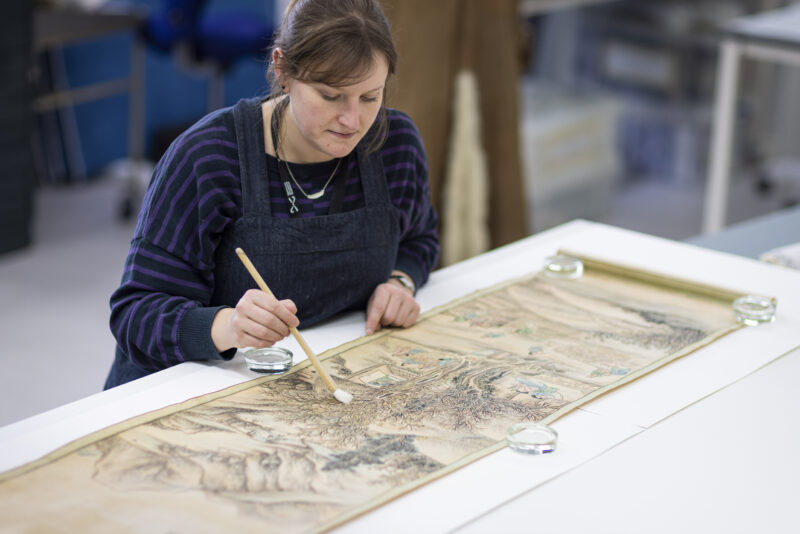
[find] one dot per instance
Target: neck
(289, 140)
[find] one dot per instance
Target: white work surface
(708, 443)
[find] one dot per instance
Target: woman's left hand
(391, 304)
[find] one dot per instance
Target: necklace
(312, 196)
(273, 132)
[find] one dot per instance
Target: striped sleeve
(160, 314)
(406, 168)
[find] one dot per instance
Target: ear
(277, 57)
(277, 66)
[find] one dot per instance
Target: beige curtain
(438, 39)
(465, 194)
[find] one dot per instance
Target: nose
(348, 116)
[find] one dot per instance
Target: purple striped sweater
(195, 194)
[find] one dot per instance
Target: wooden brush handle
(265, 288)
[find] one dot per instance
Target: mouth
(341, 135)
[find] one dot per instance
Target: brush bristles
(343, 396)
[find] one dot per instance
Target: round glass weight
(531, 438)
(753, 310)
(271, 360)
(561, 266)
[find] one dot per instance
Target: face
(327, 122)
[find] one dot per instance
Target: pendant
(315, 196)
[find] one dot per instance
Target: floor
(57, 347)
(56, 343)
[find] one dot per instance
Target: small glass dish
(531, 438)
(753, 310)
(269, 360)
(562, 266)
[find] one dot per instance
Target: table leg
(136, 110)
(135, 185)
(722, 138)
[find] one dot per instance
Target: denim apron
(326, 265)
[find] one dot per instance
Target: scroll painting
(279, 454)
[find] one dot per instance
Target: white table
(705, 444)
(725, 464)
(771, 36)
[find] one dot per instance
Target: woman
(324, 187)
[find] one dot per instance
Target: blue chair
(213, 42)
(173, 25)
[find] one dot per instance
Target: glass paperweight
(531, 438)
(271, 360)
(562, 266)
(754, 310)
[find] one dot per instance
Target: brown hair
(333, 42)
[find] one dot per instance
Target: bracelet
(407, 282)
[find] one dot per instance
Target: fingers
(285, 311)
(259, 320)
(375, 308)
(404, 314)
(290, 305)
(391, 306)
(408, 314)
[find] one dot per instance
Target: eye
(369, 99)
(329, 97)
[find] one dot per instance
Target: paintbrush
(340, 394)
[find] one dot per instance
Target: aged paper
(279, 454)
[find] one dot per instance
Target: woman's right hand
(258, 320)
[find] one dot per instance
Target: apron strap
(373, 177)
(252, 163)
(339, 186)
